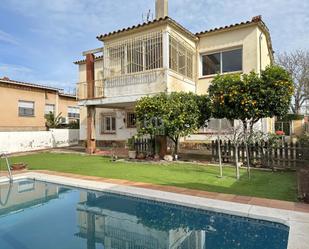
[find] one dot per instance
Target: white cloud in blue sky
(39, 39)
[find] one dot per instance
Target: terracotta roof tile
(162, 19)
(84, 61)
(9, 81)
(254, 19)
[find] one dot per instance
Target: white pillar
(165, 50)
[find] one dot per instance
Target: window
(134, 55)
(131, 120)
(284, 126)
(211, 64)
(73, 112)
(49, 108)
(153, 52)
(222, 62)
(232, 61)
(108, 124)
(180, 57)
(26, 108)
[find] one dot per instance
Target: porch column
(91, 143)
(90, 75)
(165, 49)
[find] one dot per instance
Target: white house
(160, 56)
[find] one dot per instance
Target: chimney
(161, 8)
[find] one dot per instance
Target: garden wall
(11, 142)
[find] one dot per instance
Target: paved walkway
(292, 206)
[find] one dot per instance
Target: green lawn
(275, 185)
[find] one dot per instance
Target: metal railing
(82, 92)
(5, 157)
(145, 77)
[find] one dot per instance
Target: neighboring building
(160, 56)
(23, 105)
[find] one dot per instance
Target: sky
(40, 39)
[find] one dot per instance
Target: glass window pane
(211, 64)
(107, 124)
(232, 60)
(49, 108)
(26, 108)
(113, 123)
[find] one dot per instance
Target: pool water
(39, 215)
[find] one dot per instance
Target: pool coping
(297, 221)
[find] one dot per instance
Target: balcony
(140, 83)
(82, 91)
(143, 65)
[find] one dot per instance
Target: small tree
(176, 115)
(236, 139)
(205, 110)
(271, 92)
(250, 97)
(53, 121)
(149, 113)
(231, 99)
(296, 63)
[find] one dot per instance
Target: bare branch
(297, 64)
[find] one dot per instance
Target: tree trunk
(220, 158)
(236, 161)
(219, 149)
(176, 148)
(245, 124)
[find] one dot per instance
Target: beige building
(23, 105)
(160, 56)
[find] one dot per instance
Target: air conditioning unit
(64, 120)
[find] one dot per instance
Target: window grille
(137, 54)
(131, 120)
(180, 57)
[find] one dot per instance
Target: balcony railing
(144, 77)
(82, 92)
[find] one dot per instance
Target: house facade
(23, 105)
(160, 56)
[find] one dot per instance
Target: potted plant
(18, 166)
(132, 151)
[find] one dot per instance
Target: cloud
(7, 38)
(16, 72)
(55, 32)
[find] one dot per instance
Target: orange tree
(250, 97)
(176, 115)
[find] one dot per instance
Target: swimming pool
(37, 215)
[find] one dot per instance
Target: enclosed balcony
(144, 64)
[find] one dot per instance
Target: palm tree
(53, 121)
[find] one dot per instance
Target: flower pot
(156, 157)
(18, 166)
(141, 156)
(132, 154)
